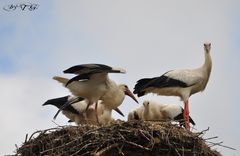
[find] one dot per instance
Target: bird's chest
(113, 99)
(94, 89)
(197, 88)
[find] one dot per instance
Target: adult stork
(92, 82)
(182, 83)
(114, 97)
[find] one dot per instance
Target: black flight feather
(84, 71)
(59, 102)
(86, 68)
(77, 78)
(63, 103)
(157, 82)
(68, 104)
(180, 119)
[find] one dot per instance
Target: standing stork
(92, 81)
(182, 83)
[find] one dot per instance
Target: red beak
(129, 93)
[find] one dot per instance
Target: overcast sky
(147, 38)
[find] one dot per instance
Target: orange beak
(129, 93)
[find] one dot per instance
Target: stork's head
(146, 103)
(207, 47)
(125, 89)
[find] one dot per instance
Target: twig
(211, 138)
(177, 152)
(26, 138)
(228, 147)
(202, 132)
(41, 132)
(16, 147)
(120, 150)
(34, 134)
(137, 145)
(57, 124)
(99, 153)
(220, 144)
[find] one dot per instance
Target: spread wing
(88, 71)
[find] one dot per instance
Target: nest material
(135, 138)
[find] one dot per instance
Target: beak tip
(130, 94)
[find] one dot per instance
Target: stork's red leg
(186, 115)
(96, 112)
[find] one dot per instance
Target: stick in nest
(101, 152)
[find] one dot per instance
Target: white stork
(91, 82)
(163, 112)
(77, 112)
(69, 111)
(136, 114)
(114, 97)
(154, 111)
(182, 83)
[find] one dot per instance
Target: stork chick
(77, 112)
(163, 112)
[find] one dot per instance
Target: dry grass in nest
(134, 138)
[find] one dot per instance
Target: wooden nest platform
(135, 138)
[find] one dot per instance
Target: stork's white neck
(114, 97)
(206, 69)
(207, 66)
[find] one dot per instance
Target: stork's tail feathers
(117, 70)
(180, 118)
(140, 86)
(191, 121)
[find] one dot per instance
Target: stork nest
(135, 138)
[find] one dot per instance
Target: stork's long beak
(119, 111)
(129, 93)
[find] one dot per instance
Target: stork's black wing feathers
(59, 102)
(141, 85)
(85, 71)
(164, 81)
(158, 82)
(180, 119)
(79, 77)
(88, 68)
